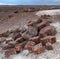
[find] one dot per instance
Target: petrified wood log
(51, 39)
(47, 31)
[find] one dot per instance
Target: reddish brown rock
(49, 46)
(44, 41)
(18, 48)
(42, 25)
(38, 48)
(46, 31)
(36, 39)
(29, 45)
(51, 39)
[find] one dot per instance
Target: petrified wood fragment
(18, 48)
(29, 45)
(49, 46)
(36, 39)
(38, 48)
(48, 30)
(51, 39)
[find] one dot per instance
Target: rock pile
(39, 35)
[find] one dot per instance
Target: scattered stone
(29, 45)
(36, 39)
(49, 46)
(18, 48)
(51, 39)
(47, 31)
(38, 48)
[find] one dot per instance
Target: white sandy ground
(48, 12)
(52, 54)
